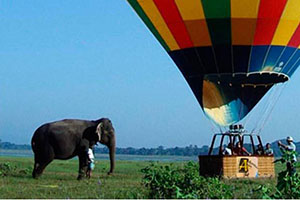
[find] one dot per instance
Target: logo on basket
(244, 166)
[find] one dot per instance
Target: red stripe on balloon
(295, 40)
(268, 18)
(172, 17)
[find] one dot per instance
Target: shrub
(288, 183)
(7, 169)
(173, 182)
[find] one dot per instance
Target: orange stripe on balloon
(243, 21)
(192, 14)
(269, 15)
(198, 32)
(172, 17)
(243, 31)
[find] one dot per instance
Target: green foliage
(288, 182)
(59, 181)
(8, 169)
(4, 168)
(171, 181)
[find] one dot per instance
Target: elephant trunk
(112, 153)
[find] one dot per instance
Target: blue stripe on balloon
(258, 54)
(273, 55)
(292, 61)
(284, 58)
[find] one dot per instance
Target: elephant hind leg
(39, 167)
(83, 166)
(40, 163)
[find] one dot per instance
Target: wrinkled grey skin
(68, 138)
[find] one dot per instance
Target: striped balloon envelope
(231, 52)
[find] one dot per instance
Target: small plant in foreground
(288, 183)
(8, 169)
(182, 182)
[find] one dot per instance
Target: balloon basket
(235, 165)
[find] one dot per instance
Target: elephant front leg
(83, 166)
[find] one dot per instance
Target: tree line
(191, 150)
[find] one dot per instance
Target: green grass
(59, 181)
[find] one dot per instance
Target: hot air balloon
(231, 52)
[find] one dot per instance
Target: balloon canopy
(231, 52)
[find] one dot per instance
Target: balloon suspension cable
(212, 126)
(241, 109)
(270, 101)
(264, 109)
(221, 130)
(251, 113)
(273, 106)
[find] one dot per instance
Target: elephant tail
(33, 145)
(38, 138)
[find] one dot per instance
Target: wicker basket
(237, 166)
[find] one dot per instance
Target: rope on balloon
(247, 119)
(269, 102)
(212, 125)
(264, 109)
(275, 100)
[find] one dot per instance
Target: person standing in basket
(268, 150)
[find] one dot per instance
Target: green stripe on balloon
(217, 14)
(138, 9)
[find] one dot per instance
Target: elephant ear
(99, 130)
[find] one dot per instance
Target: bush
(7, 169)
(174, 182)
(288, 182)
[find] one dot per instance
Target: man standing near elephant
(91, 161)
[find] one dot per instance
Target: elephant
(68, 138)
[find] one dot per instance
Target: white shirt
(292, 147)
(227, 151)
(91, 155)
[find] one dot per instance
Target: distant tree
(191, 150)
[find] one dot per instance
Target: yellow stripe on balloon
(193, 16)
(157, 20)
(243, 21)
(190, 9)
(244, 8)
(288, 23)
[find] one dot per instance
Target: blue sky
(95, 58)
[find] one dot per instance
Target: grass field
(59, 181)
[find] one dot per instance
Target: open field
(59, 181)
